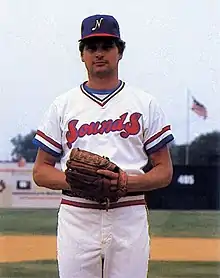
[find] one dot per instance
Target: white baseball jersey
(126, 126)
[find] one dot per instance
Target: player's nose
(99, 53)
(99, 50)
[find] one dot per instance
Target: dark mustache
(100, 61)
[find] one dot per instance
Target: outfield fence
(18, 189)
(192, 187)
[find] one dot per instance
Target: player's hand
(110, 175)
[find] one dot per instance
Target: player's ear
(120, 56)
(82, 58)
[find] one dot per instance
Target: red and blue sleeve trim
(45, 148)
(160, 145)
(154, 137)
(50, 140)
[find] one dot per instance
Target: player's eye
(91, 47)
(107, 45)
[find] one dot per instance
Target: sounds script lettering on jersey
(97, 24)
(126, 129)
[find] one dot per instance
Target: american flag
(199, 109)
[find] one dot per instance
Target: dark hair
(118, 42)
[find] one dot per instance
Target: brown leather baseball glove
(85, 182)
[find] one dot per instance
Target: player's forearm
(49, 177)
(158, 177)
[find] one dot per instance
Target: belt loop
(107, 204)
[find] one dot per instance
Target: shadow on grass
(35, 269)
(48, 269)
(184, 269)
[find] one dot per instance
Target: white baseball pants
(85, 236)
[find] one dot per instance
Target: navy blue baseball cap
(100, 26)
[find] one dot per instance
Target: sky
(171, 46)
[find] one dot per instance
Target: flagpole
(187, 129)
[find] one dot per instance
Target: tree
(178, 154)
(204, 150)
(23, 147)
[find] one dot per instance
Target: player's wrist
(134, 183)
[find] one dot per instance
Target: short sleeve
(157, 129)
(48, 135)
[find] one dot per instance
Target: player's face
(101, 57)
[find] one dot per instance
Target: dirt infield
(31, 248)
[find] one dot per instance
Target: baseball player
(106, 116)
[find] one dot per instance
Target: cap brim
(99, 35)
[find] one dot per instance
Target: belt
(69, 193)
(104, 206)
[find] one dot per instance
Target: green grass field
(162, 223)
(204, 224)
(38, 269)
(48, 269)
